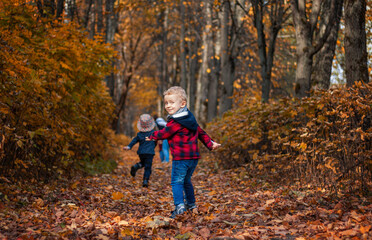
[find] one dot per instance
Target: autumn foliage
(54, 108)
(325, 139)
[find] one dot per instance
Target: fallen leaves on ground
(230, 206)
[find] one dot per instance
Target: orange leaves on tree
(53, 100)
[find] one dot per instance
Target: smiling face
(173, 103)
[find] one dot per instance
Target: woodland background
(283, 85)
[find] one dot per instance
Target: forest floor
(230, 206)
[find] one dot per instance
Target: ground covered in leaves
(230, 206)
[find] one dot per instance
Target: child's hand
(215, 145)
(148, 139)
(126, 148)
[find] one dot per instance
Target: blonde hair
(178, 91)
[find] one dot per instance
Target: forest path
(230, 206)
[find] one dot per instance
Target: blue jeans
(182, 171)
(164, 153)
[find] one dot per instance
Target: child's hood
(186, 119)
(143, 135)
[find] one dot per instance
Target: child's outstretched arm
(132, 143)
(207, 140)
(165, 133)
(215, 145)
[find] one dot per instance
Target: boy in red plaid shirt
(182, 132)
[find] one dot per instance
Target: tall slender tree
(86, 14)
(227, 62)
(183, 82)
(232, 28)
(202, 84)
(162, 63)
(112, 16)
(277, 15)
(356, 68)
(212, 64)
(60, 8)
(99, 14)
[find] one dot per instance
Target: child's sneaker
(133, 171)
(178, 210)
(190, 206)
(145, 183)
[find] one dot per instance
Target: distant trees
(50, 7)
(135, 49)
(275, 13)
(220, 50)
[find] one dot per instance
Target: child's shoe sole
(133, 171)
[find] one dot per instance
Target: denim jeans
(182, 171)
(164, 153)
(146, 162)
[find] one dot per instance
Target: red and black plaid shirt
(183, 142)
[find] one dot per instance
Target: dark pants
(146, 162)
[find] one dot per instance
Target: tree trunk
(72, 9)
(203, 79)
(163, 70)
(213, 92)
(193, 51)
(303, 72)
(304, 61)
(87, 12)
(161, 65)
(49, 7)
(212, 79)
(99, 15)
(258, 23)
(120, 107)
(60, 8)
(305, 28)
(303, 43)
(111, 21)
(174, 65)
(183, 82)
(322, 70)
(227, 62)
(356, 68)
(46, 8)
(92, 27)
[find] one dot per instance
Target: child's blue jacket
(145, 147)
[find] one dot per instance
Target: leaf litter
(230, 206)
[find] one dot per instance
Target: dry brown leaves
(230, 206)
